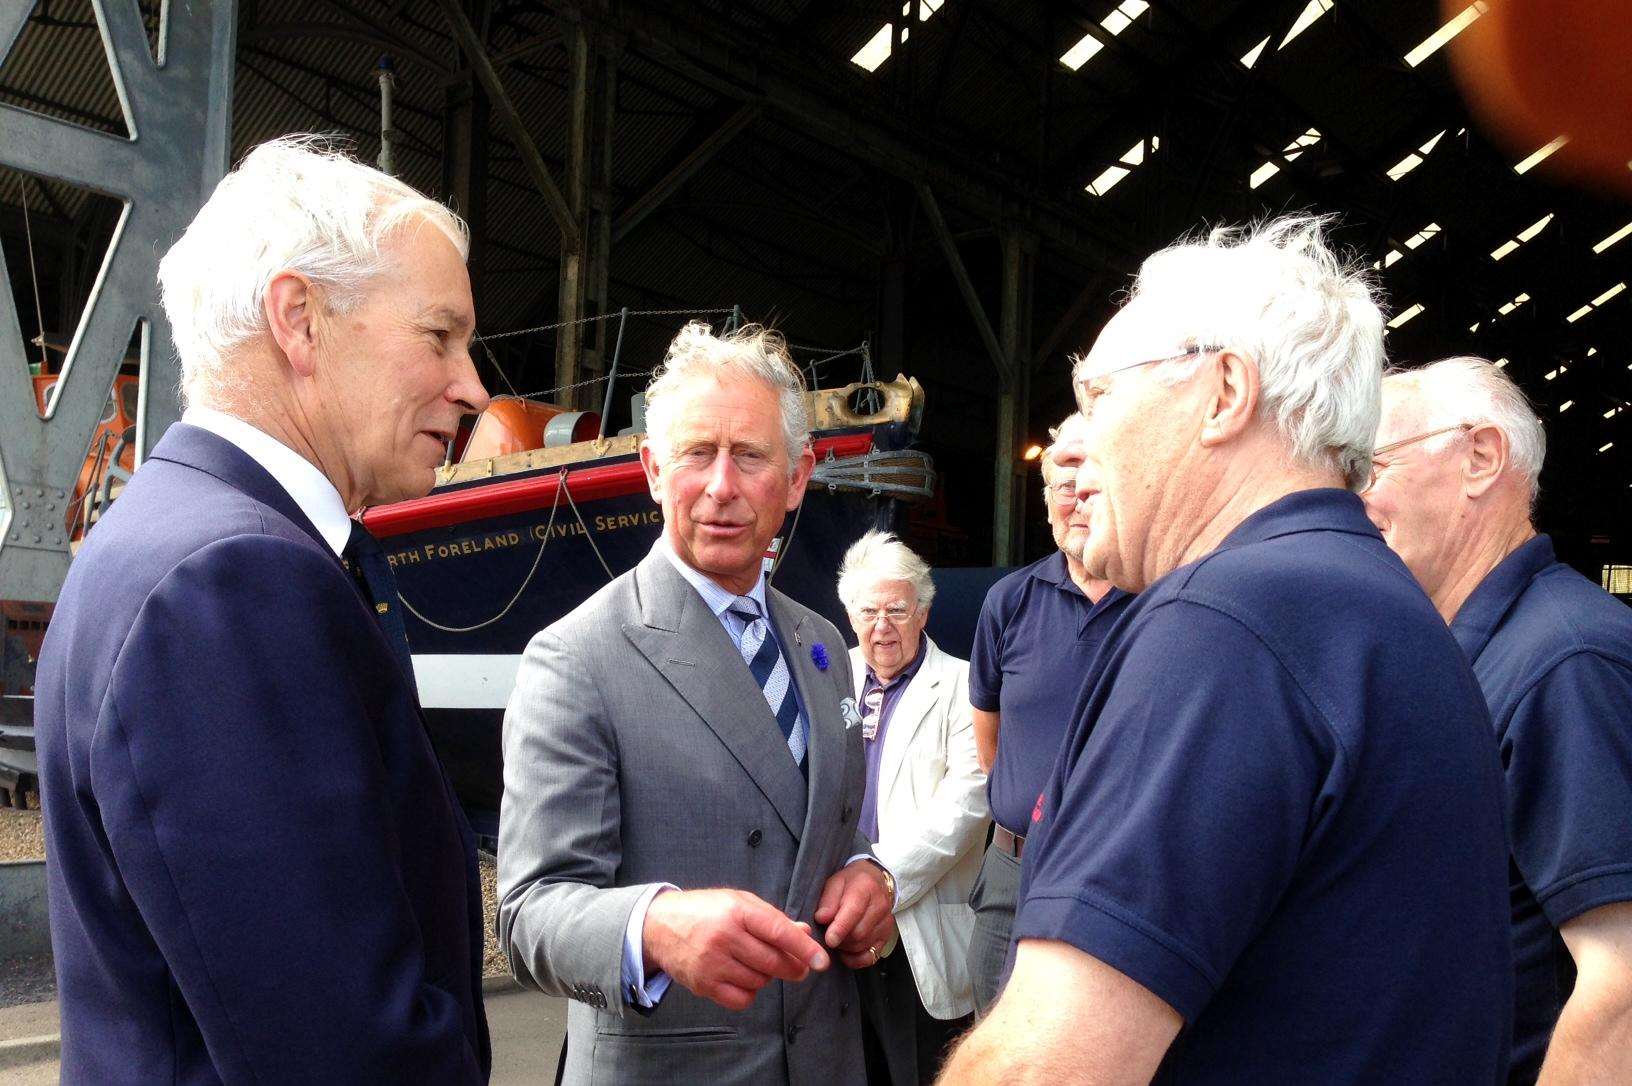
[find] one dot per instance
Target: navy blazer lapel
(689, 647)
(198, 448)
(820, 694)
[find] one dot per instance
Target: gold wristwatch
(889, 879)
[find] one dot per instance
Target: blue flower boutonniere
(818, 656)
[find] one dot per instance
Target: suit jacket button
(793, 1034)
(845, 817)
(754, 838)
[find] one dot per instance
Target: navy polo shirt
(1553, 652)
(1280, 810)
(1036, 636)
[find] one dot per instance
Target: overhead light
(1251, 56)
(1565, 406)
(1119, 19)
(1540, 154)
(1133, 158)
(877, 49)
(1606, 446)
(1290, 153)
(1436, 41)
(1033, 452)
(1306, 18)
(1414, 159)
(1405, 316)
(1523, 236)
(1613, 238)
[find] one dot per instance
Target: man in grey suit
(683, 778)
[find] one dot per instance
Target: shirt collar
(1476, 620)
(1325, 509)
(907, 675)
(1054, 570)
(717, 598)
(299, 477)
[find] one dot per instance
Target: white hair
(880, 556)
(296, 203)
(751, 351)
(1473, 391)
(1307, 318)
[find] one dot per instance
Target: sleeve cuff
(1131, 946)
(1566, 900)
(870, 858)
(984, 701)
(640, 990)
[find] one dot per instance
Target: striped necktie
(770, 671)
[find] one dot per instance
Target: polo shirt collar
(1325, 509)
(1053, 570)
(1482, 612)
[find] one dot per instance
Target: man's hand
(725, 945)
(857, 910)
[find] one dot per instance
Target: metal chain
(587, 536)
(602, 317)
(561, 484)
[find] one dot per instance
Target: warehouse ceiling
(776, 155)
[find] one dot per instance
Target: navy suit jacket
(257, 870)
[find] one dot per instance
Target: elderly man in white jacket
(924, 807)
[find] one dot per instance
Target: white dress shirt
(300, 479)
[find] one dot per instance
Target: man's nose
(722, 477)
(466, 387)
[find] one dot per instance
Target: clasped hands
(725, 945)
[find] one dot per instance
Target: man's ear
(1485, 460)
(1234, 398)
(289, 307)
(802, 469)
(654, 471)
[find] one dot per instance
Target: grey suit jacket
(638, 749)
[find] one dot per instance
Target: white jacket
(932, 818)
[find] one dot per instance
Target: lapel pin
(818, 656)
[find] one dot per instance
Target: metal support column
(178, 108)
(1014, 399)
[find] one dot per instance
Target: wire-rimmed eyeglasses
(1392, 446)
(1085, 402)
(895, 614)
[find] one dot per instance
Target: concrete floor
(527, 1029)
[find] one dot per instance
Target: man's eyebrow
(444, 314)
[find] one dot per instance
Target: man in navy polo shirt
(1458, 460)
(1039, 627)
(1272, 848)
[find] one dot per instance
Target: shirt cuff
(639, 989)
(870, 858)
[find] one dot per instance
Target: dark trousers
(996, 893)
(903, 1043)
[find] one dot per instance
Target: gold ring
(873, 950)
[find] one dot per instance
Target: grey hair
(750, 351)
(1308, 318)
(1466, 389)
(880, 556)
(296, 203)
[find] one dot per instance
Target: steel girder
(177, 107)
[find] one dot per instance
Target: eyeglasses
(1085, 401)
(1377, 466)
(1061, 491)
(896, 613)
(874, 703)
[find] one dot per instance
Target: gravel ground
(493, 963)
(20, 835)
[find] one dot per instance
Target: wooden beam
(966, 287)
(674, 175)
(572, 240)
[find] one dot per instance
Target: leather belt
(1010, 844)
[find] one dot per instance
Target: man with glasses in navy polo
(1039, 628)
(1457, 471)
(1272, 847)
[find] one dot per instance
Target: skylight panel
(1565, 406)
(1415, 158)
(1591, 351)
(1523, 236)
(1290, 153)
(1596, 302)
(1612, 412)
(1434, 42)
(1119, 19)
(1262, 173)
(1501, 363)
(1250, 57)
(1509, 307)
(1474, 327)
(1606, 446)
(1613, 238)
(1134, 158)
(1551, 374)
(1306, 18)
(1422, 235)
(1579, 313)
(1406, 316)
(877, 49)
(1540, 155)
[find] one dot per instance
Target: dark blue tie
(367, 562)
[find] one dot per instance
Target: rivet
(40, 493)
(25, 505)
(36, 539)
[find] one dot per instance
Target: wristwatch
(889, 879)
